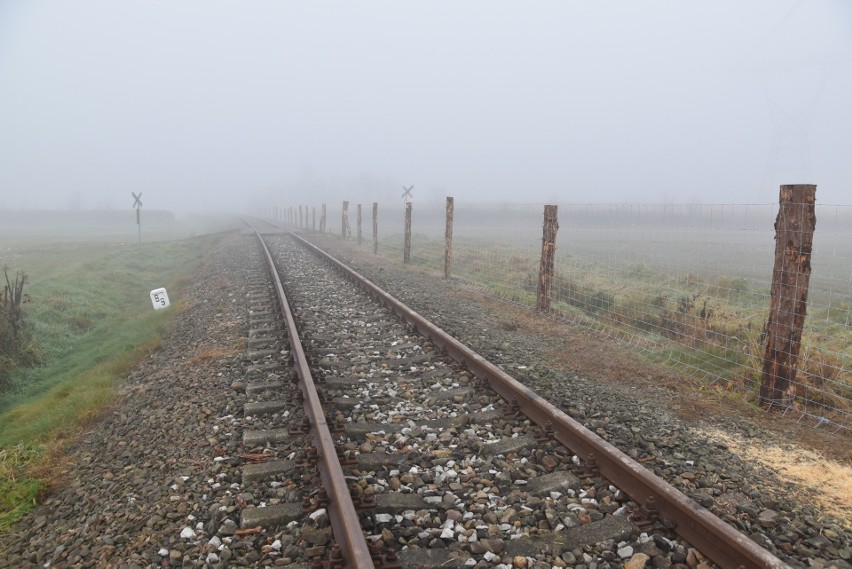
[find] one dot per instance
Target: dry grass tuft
(212, 354)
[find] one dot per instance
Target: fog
(223, 105)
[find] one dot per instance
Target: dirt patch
(830, 480)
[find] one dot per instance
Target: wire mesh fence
(688, 285)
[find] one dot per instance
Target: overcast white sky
(210, 103)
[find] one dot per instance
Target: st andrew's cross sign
(137, 203)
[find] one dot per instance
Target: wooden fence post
(406, 254)
(794, 237)
(322, 219)
(300, 216)
(314, 218)
(548, 253)
(344, 220)
(375, 228)
(448, 238)
(359, 224)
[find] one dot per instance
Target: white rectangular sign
(159, 298)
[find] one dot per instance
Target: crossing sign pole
(137, 203)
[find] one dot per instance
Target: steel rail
(720, 542)
(341, 511)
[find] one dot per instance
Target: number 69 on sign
(159, 298)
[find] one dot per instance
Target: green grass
(18, 493)
(92, 320)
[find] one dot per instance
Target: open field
(30, 227)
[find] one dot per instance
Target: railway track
(405, 449)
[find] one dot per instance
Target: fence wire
(688, 285)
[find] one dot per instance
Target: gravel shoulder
(136, 490)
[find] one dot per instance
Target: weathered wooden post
(406, 254)
(548, 253)
(448, 238)
(344, 220)
(794, 237)
(375, 228)
(314, 218)
(359, 224)
(322, 219)
(300, 216)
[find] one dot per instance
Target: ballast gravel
(747, 495)
(467, 483)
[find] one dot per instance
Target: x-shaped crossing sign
(406, 194)
(137, 200)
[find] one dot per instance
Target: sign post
(137, 203)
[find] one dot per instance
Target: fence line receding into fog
(689, 285)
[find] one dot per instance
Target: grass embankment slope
(91, 321)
